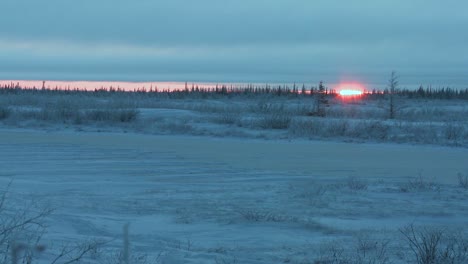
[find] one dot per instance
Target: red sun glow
(350, 89)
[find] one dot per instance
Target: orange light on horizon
(346, 92)
(350, 90)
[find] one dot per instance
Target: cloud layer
(252, 41)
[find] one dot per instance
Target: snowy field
(439, 122)
(210, 178)
(199, 199)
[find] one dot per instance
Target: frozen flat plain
(216, 200)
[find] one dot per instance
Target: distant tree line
(294, 90)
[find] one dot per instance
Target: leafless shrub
(72, 253)
(21, 229)
(463, 180)
(365, 251)
(339, 128)
(73, 114)
(305, 109)
(176, 127)
(305, 128)
(453, 132)
(312, 191)
(115, 115)
(372, 130)
(333, 253)
(60, 111)
(274, 121)
(125, 255)
(4, 112)
(186, 245)
(184, 216)
(136, 258)
(127, 115)
(435, 246)
(253, 215)
(433, 113)
(456, 249)
(229, 118)
(372, 251)
(268, 108)
(226, 260)
(356, 184)
(411, 132)
(420, 184)
(24, 252)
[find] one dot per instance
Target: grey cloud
(292, 40)
(230, 22)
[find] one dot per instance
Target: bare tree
(435, 245)
(392, 85)
(320, 100)
(126, 246)
(75, 253)
(21, 230)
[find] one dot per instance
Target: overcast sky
(425, 41)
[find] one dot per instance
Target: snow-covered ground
(195, 199)
(417, 121)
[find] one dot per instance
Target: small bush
(275, 121)
(135, 258)
(337, 128)
(453, 132)
(260, 216)
(365, 250)
(333, 253)
(98, 115)
(305, 128)
(21, 229)
(177, 128)
(265, 108)
(229, 118)
(356, 184)
(374, 130)
(4, 112)
(435, 246)
(463, 181)
(420, 184)
(119, 115)
(128, 115)
(59, 111)
(305, 110)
